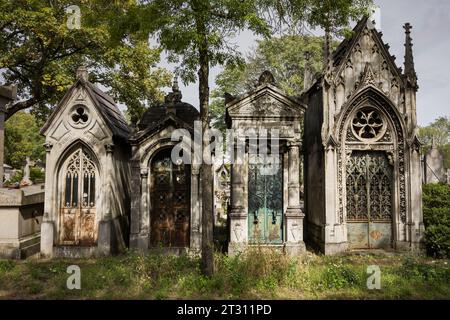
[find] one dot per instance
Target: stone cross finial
(82, 73)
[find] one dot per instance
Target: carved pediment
(265, 103)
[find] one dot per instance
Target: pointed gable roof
(104, 104)
(344, 50)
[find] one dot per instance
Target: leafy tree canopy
(22, 139)
(439, 132)
(284, 56)
(40, 53)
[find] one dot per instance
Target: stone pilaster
(48, 236)
(294, 214)
(106, 233)
(135, 202)
(144, 209)
(238, 212)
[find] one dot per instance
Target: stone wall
(21, 212)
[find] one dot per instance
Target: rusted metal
(78, 212)
(170, 202)
(369, 200)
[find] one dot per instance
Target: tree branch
(16, 107)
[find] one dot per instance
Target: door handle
(274, 217)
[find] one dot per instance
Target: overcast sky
(431, 22)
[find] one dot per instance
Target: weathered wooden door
(369, 200)
(265, 204)
(170, 202)
(78, 211)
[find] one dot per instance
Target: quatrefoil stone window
(368, 125)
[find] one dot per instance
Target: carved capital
(195, 170)
(144, 173)
(48, 147)
(293, 143)
(109, 148)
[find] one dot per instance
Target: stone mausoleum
(342, 171)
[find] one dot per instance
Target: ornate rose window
(368, 125)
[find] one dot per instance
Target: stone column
(238, 212)
(416, 224)
(294, 214)
(135, 201)
(48, 236)
(106, 232)
(144, 216)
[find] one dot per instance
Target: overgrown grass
(258, 274)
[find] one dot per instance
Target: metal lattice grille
(265, 204)
(369, 187)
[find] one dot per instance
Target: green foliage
(185, 28)
(256, 274)
(340, 276)
(439, 131)
(411, 268)
(283, 56)
(331, 15)
(22, 139)
(6, 265)
(40, 53)
(37, 175)
(436, 214)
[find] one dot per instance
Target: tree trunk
(207, 265)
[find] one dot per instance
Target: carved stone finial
(175, 87)
(410, 71)
(175, 95)
(82, 73)
(266, 78)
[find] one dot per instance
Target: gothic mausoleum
(341, 168)
(88, 175)
(362, 160)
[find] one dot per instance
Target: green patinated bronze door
(265, 203)
(369, 200)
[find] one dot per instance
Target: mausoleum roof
(173, 106)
